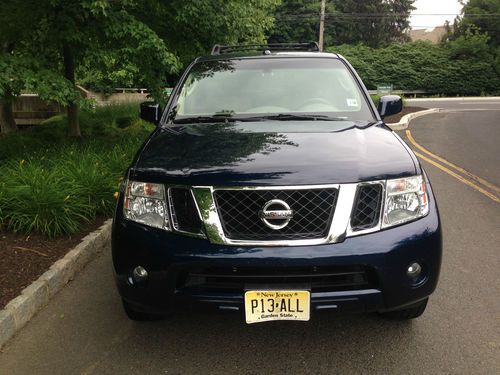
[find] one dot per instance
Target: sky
(447, 10)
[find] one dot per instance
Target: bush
(52, 185)
(375, 99)
(437, 69)
(41, 199)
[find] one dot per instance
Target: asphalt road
(477, 103)
(470, 139)
(84, 331)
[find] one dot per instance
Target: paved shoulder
(470, 139)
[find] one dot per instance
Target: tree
(66, 33)
(11, 68)
(298, 21)
(372, 22)
(102, 42)
(375, 23)
(476, 32)
(7, 122)
(191, 28)
(485, 15)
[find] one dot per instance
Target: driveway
(84, 331)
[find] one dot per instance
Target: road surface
(478, 103)
(84, 331)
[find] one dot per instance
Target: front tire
(410, 312)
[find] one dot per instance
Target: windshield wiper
(292, 117)
(201, 119)
(228, 117)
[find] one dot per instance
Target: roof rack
(309, 47)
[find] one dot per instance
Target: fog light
(140, 275)
(414, 270)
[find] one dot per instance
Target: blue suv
(272, 187)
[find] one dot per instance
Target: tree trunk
(7, 122)
(72, 108)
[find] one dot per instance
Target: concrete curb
(405, 120)
(22, 308)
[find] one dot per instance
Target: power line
(382, 15)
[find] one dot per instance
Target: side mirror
(150, 112)
(390, 105)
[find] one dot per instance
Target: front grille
(312, 213)
(367, 206)
(317, 279)
(185, 215)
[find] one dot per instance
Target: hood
(272, 153)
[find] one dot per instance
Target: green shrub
(98, 125)
(40, 199)
(437, 69)
(124, 121)
(86, 171)
(375, 99)
(52, 184)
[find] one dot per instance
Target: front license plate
(266, 305)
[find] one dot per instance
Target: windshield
(287, 88)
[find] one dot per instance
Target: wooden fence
(29, 109)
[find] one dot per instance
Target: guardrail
(413, 93)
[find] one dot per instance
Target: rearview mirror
(390, 105)
(151, 112)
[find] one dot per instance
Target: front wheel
(410, 312)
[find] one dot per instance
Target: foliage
(476, 32)
(483, 14)
(472, 44)
(131, 55)
(375, 23)
(74, 36)
(191, 28)
(372, 22)
(298, 21)
(375, 99)
(54, 187)
(38, 198)
(423, 66)
(103, 44)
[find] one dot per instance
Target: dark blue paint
(388, 252)
(276, 154)
(224, 154)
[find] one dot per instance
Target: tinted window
(272, 86)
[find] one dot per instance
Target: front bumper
(386, 254)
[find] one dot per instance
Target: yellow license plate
(266, 305)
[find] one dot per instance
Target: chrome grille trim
(339, 229)
(311, 216)
(215, 232)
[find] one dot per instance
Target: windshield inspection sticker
(351, 102)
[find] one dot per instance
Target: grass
(52, 184)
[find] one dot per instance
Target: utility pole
(322, 24)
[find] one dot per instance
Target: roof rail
(309, 47)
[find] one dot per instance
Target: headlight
(145, 203)
(405, 200)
